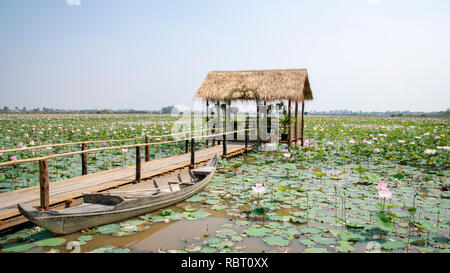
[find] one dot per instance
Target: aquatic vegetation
(332, 195)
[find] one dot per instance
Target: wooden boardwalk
(66, 191)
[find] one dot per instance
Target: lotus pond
(358, 185)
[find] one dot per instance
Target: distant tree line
(173, 109)
(445, 113)
(16, 109)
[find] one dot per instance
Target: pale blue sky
(370, 55)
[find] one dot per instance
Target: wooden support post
(296, 122)
(192, 153)
(187, 146)
(207, 121)
(303, 121)
(147, 149)
(44, 185)
(84, 168)
(246, 134)
(289, 118)
(138, 163)
(258, 141)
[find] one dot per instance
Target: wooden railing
(43, 161)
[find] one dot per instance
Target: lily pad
(276, 241)
(108, 229)
(18, 247)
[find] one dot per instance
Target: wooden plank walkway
(69, 189)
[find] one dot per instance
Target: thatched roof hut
(271, 85)
(260, 85)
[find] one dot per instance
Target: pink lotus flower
(124, 150)
(32, 142)
(307, 142)
(1, 154)
(385, 193)
(376, 150)
(20, 144)
(382, 186)
(352, 141)
(429, 151)
(13, 157)
(104, 143)
(259, 188)
(25, 135)
(287, 155)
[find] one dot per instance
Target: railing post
(192, 153)
(138, 163)
(147, 149)
(44, 184)
(246, 134)
(235, 126)
(187, 146)
(224, 144)
(213, 132)
(84, 168)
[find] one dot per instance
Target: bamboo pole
(44, 185)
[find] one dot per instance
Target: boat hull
(65, 223)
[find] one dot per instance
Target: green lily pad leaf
(242, 223)
(307, 242)
(18, 247)
(225, 232)
(195, 198)
(85, 238)
(224, 244)
(50, 242)
(257, 231)
(276, 241)
(345, 248)
(208, 250)
(213, 240)
(157, 218)
(392, 245)
(309, 230)
(108, 229)
(322, 240)
(372, 177)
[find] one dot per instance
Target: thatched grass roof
(272, 85)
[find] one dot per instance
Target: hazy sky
(360, 54)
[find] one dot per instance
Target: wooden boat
(104, 208)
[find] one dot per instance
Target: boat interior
(109, 199)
